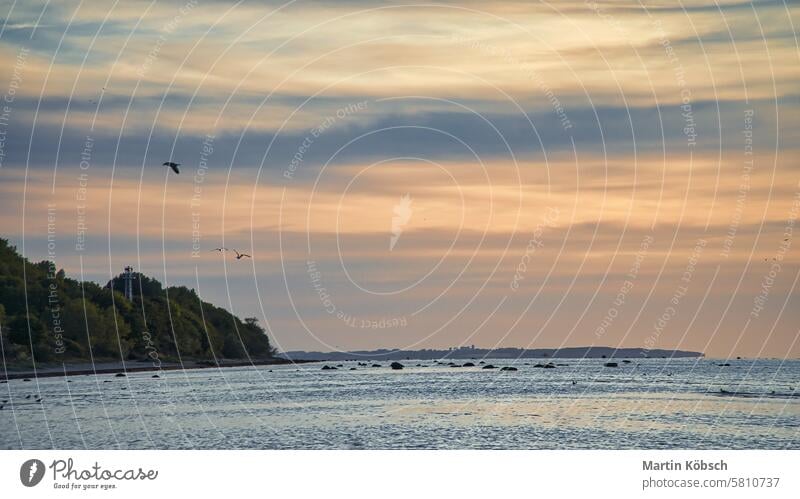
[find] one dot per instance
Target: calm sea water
(644, 404)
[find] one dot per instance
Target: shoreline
(86, 369)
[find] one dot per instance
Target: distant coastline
(74, 368)
(494, 353)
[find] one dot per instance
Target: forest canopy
(47, 317)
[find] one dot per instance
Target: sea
(686, 403)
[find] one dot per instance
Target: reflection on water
(683, 403)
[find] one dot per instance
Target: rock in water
(469, 364)
(488, 366)
(119, 375)
(508, 368)
(611, 364)
(396, 365)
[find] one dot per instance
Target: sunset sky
(510, 173)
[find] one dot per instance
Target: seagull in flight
(172, 165)
(239, 256)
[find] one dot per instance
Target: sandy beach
(113, 367)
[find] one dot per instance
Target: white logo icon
(401, 215)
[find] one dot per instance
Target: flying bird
(239, 256)
(220, 249)
(172, 165)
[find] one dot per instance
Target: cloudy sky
(511, 173)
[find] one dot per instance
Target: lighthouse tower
(128, 277)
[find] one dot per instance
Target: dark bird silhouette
(220, 249)
(27, 396)
(172, 165)
(239, 256)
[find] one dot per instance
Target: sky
(420, 175)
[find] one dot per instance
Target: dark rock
(724, 365)
(488, 366)
(26, 379)
(376, 365)
(549, 365)
(155, 376)
(626, 361)
(327, 368)
(481, 362)
(539, 365)
(469, 364)
(352, 368)
(396, 365)
(611, 364)
(508, 368)
(119, 375)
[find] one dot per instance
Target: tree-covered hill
(67, 320)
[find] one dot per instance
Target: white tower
(128, 277)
